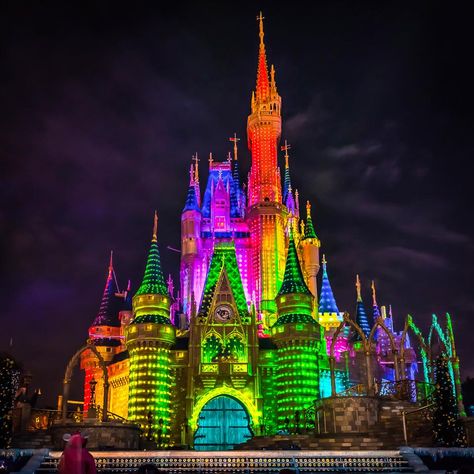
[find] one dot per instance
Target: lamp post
(92, 411)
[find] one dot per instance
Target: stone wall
(102, 435)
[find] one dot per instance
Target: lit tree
(448, 429)
(9, 382)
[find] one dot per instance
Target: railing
(407, 390)
(110, 416)
(427, 414)
(359, 390)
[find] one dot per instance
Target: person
(76, 459)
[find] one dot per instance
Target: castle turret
(265, 213)
(191, 247)
(104, 334)
(297, 336)
(149, 338)
(361, 315)
(309, 248)
(328, 313)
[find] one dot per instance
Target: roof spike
(374, 294)
(359, 295)
(234, 139)
(196, 167)
(263, 86)
(111, 261)
(155, 227)
(323, 261)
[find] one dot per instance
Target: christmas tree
(448, 429)
(9, 381)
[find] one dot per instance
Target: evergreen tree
(9, 382)
(448, 429)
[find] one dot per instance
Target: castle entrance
(223, 423)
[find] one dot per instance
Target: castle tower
(191, 247)
(328, 313)
(149, 338)
(361, 315)
(309, 248)
(297, 336)
(265, 213)
(104, 334)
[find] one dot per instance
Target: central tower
(265, 214)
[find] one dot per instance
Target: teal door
(223, 423)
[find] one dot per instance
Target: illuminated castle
(248, 342)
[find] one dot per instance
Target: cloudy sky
(102, 107)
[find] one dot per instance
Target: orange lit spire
(263, 84)
(359, 296)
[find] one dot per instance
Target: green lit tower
(149, 338)
(297, 336)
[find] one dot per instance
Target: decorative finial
(229, 157)
(308, 209)
(196, 167)
(155, 228)
(235, 140)
(324, 261)
(285, 148)
(374, 295)
(191, 173)
(302, 227)
(111, 261)
(272, 76)
(211, 160)
(260, 19)
(359, 296)
(389, 310)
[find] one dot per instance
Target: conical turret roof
(293, 281)
(108, 310)
(361, 315)
(153, 281)
(327, 302)
(309, 232)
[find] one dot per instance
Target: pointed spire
(359, 295)
(309, 232)
(286, 179)
(361, 315)
(153, 281)
(374, 302)
(263, 86)
(327, 302)
(234, 139)
(293, 281)
(191, 203)
(107, 315)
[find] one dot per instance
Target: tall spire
(374, 302)
(107, 314)
(153, 281)
(191, 203)
(263, 85)
(361, 315)
(309, 232)
(293, 281)
(286, 179)
(327, 302)
(197, 189)
(359, 296)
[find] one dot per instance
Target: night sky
(102, 107)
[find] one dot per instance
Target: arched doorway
(223, 423)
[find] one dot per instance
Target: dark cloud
(102, 108)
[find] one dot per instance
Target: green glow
(293, 281)
(296, 382)
(150, 388)
(153, 280)
(294, 318)
(151, 318)
(224, 259)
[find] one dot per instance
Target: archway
(223, 422)
(67, 379)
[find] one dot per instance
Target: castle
(248, 342)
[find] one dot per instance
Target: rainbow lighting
(248, 343)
